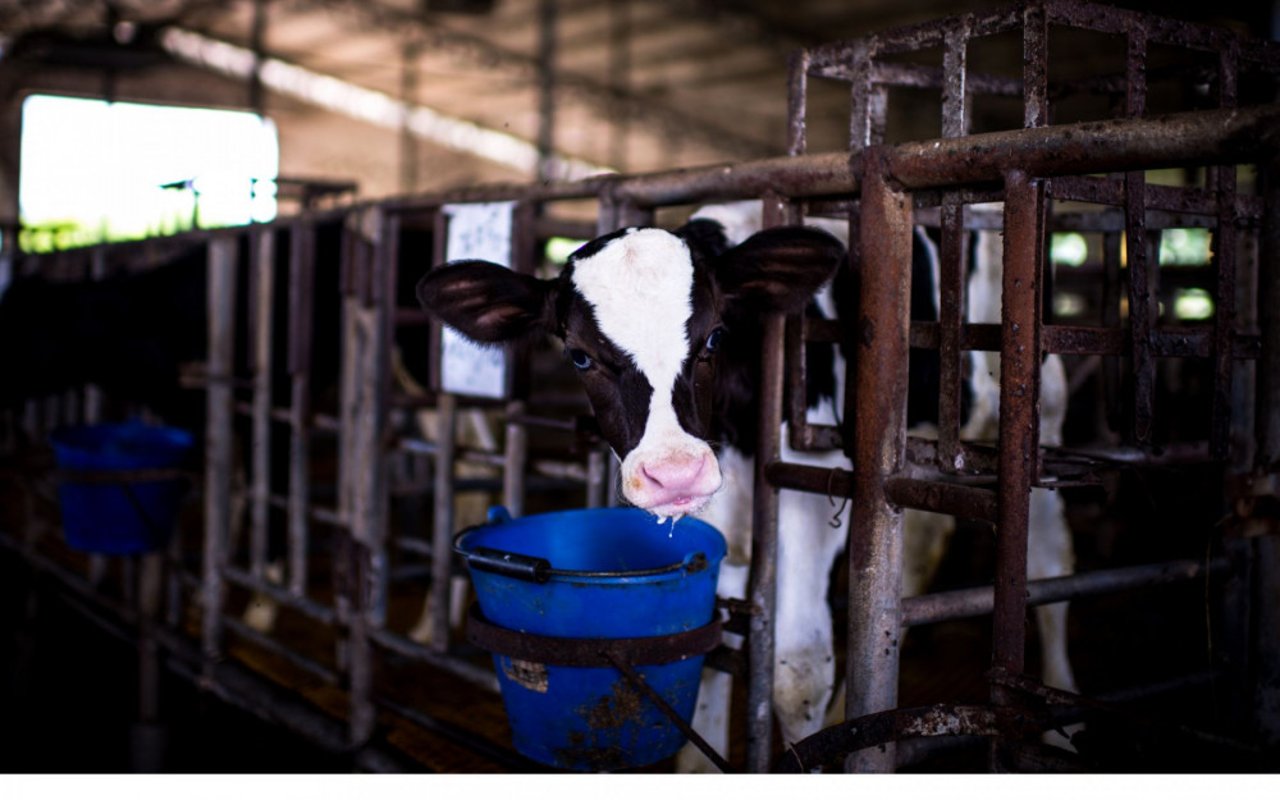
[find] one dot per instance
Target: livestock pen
(356, 560)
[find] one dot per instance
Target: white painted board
(479, 231)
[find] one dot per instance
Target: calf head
(642, 313)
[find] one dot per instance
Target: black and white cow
(663, 329)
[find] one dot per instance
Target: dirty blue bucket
(613, 573)
(101, 515)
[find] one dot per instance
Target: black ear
(779, 269)
(486, 302)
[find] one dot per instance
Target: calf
(663, 329)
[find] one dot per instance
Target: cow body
(663, 328)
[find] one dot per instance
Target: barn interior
(303, 611)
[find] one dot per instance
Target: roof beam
(608, 101)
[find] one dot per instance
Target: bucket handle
(512, 565)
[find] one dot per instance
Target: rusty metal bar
(797, 98)
(908, 492)
(1141, 299)
(952, 271)
(1231, 136)
(218, 444)
(763, 581)
(875, 543)
(1019, 410)
(887, 728)
(1035, 65)
(953, 250)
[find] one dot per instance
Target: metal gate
(345, 560)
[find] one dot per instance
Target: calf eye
(713, 340)
(580, 359)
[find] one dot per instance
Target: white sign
(476, 231)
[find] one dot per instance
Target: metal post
(546, 89)
(262, 300)
(218, 455)
(875, 539)
(301, 294)
(442, 526)
(762, 586)
(1024, 215)
(1267, 548)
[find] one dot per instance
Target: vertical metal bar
(875, 542)
(1267, 414)
(148, 740)
(1267, 548)
(218, 456)
(261, 302)
(861, 113)
(442, 528)
(1018, 460)
(516, 459)
(794, 343)
(1140, 294)
(1140, 305)
(360, 649)
(546, 89)
(408, 96)
(525, 258)
(952, 252)
(603, 478)
(762, 585)
(301, 294)
(619, 78)
(1224, 256)
(955, 85)
(598, 475)
(92, 394)
(1035, 65)
(797, 98)
(369, 527)
(1110, 401)
(257, 41)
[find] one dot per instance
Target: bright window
(94, 171)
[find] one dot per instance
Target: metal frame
(884, 189)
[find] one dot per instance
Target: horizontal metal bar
(262, 640)
(477, 676)
(941, 497)
(968, 502)
(978, 601)
(317, 611)
(1230, 136)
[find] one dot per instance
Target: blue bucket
(119, 517)
(613, 573)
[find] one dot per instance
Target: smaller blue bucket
(105, 510)
(612, 573)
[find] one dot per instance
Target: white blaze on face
(640, 286)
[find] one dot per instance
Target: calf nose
(674, 474)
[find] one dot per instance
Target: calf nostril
(674, 473)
